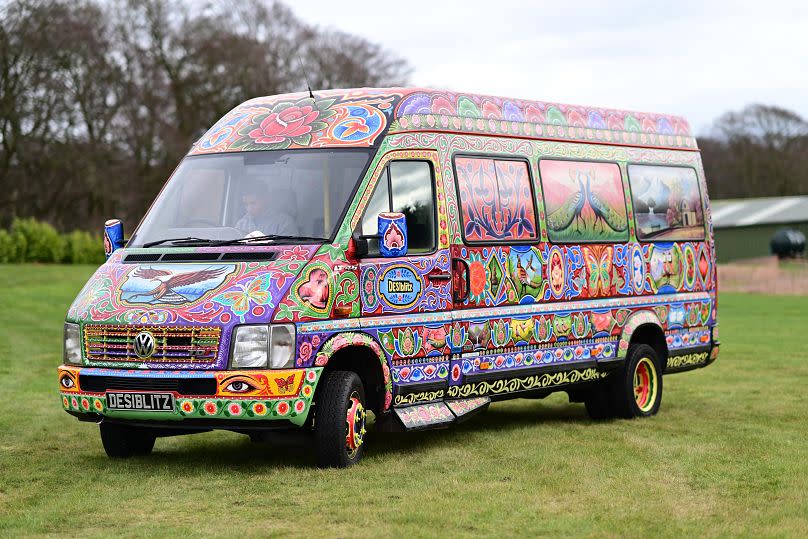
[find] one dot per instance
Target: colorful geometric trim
(431, 110)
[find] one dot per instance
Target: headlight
(282, 346)
(256, 347)
(250, 347)
(72, 341)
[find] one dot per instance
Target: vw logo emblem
(144, 344)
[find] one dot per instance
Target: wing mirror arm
(361, 244)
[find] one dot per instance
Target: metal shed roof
(759, 211)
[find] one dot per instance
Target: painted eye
(67, 382)
(238, 386)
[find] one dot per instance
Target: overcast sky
(696, 59)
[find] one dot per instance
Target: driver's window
(406, 187)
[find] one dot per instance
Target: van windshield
(296, 195)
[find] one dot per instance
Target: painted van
(412, 253)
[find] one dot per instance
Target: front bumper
(275, 395)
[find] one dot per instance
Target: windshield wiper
(267, 237)
(181, 241)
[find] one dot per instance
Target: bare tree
(758, 151)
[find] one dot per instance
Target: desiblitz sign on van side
(411, 252)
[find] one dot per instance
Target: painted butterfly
(285, 384)
(599, 266)
(239, 300)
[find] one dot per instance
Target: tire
(340, 412)
(636, 390)
(123, 442)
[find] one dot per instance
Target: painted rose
(300, 406)
(187, 407)
(259, 409)
(234, 408)
(283, 408)
(210, 407)
(339, 342)
(289, 123)
(305, 351)
(315, 341)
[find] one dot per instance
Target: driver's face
(255, 205)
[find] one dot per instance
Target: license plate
(141, 402)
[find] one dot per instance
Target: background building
(744, 227)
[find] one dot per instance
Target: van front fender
(356, 338)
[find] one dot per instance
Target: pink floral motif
(305, 351)
(289, 123)
(339, 342)
(315, 341)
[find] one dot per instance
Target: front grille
(190, 344)
(185, 386)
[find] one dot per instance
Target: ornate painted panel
(496, 200)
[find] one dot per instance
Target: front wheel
(121, 441)
(339, 423)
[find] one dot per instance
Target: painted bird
(165, 291)
(604, 214)
(570, 211)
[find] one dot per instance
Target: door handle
(460, 268)
(438, 275)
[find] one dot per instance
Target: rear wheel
(339, 424)
(121, 441)
(633, 391)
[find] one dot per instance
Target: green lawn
(727, 454)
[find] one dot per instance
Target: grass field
(727, 455)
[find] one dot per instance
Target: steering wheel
(199, 221)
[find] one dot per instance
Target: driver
(259, 217)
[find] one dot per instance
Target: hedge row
(29, 240)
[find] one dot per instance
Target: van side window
(667, 203)
(406, 187)
(496, 200)
(584, 201)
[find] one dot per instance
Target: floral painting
(667, 202)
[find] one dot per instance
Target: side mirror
(358, 247)
(392, 234)
(113, 236)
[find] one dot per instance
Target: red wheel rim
(355, 424)
(645, 384)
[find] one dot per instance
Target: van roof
(360, 117)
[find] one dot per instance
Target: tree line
(100, 100)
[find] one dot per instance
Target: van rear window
(496, 200)
(584, 201)
(667, 203)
